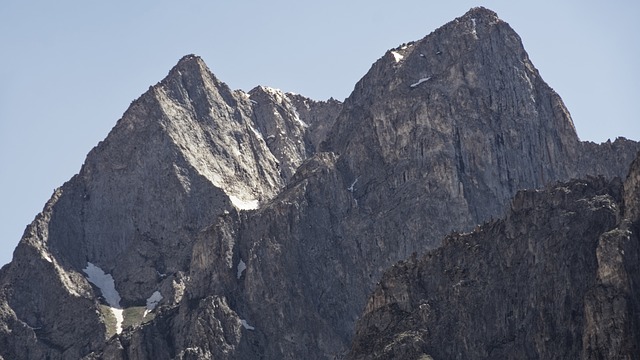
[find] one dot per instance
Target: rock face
(293, 125)
(255, 225)
(185, 152)
(555, 279)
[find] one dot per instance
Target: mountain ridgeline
(213, 223)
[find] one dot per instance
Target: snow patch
(152, 302)
(119, 314)
(246, 325)
(397, 56)
(473, 27)
(105, 283)
(420, 81)
(351, 187)
(241, 268)
(242, 204)
(256, 132)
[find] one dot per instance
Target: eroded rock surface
(555, 279)
(244, 225)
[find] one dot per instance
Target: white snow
(118, 313)
(397, 56)
(473, 29)
(107, 287)
(104, 282)
(152, 302)
(241, 268)
(420, 81)
(246, 325)
(242, 204)
(351, 188)
(256, 132)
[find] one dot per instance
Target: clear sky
(69, 69)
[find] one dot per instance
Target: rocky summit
(216, 223)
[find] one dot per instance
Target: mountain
(213, 223)
(556, 278)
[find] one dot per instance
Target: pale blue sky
(69, 69)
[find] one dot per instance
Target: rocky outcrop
(632, 187)
(461, 116)
(186, 151)
(180, 155)
(46, 308)
(614, 156)
(555, 279)
(320, 115)
(292, 125)
(224, 224)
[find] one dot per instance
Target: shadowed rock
(264, 220)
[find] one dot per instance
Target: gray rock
(291, 125)
(555, 279)
(264, 220)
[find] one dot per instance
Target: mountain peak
(480, 12)
(191, 61)
(443, 95)
(190, 58)
(188, 64)
(221, 206)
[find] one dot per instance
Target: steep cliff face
(180, 155)
(609, 156)
(214, 223)
(461, 116)
(555, 279)
(185, 152)
(45, 309)
(292, 125)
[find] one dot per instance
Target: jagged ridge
(556, 278)
(437, 136)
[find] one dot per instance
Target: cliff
(213, 223)
(556, 278)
